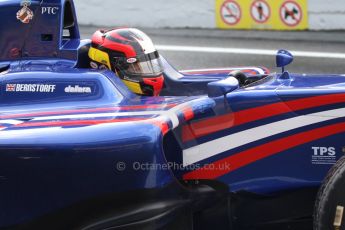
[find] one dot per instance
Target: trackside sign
(262, 14)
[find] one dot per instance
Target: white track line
(247, 51)
(259, 70)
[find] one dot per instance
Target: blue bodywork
(70, 134)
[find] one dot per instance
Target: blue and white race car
(233, 148)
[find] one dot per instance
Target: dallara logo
(77, 89)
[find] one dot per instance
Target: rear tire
(330, 203)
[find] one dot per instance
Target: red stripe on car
(188, 113)
(244, 158)
(163, 125)
(77, 111)
(74, 123)
(210, 125)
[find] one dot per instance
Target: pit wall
(225, 14)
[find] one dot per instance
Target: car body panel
(70, 135)
(269, 130)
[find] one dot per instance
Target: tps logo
(324, 156)
(321, 151)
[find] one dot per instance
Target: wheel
(330, 202)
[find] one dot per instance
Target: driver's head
(129, 53)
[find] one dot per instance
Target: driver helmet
(131, 55)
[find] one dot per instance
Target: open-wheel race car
(232, 148)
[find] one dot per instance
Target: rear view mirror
(222, 87)
(283, 58)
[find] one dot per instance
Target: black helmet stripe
(137, 47)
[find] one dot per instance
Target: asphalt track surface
(315, 52)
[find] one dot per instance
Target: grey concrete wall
(147, 13)
(326, 14)
(323, 14)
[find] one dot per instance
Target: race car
(232, 148)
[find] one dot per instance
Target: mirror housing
(283, 58)
(68, 20)
(222, 87)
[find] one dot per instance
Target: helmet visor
(148, 65)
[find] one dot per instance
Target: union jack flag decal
(10, 87)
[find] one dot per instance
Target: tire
(330, 203)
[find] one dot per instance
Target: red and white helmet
(130, 53)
